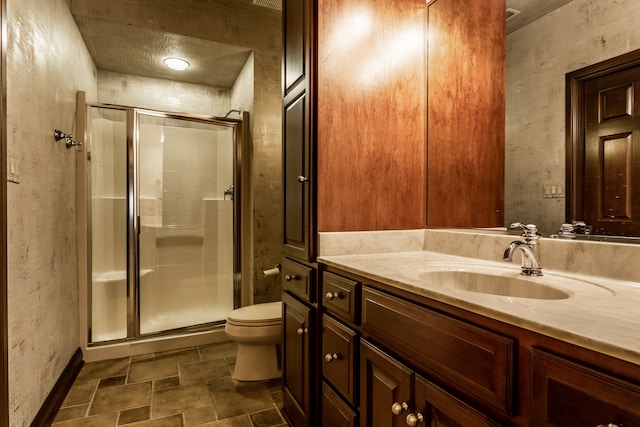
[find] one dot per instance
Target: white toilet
(257, 329)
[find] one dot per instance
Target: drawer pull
(301, 331)
(290, 277)
(414, 419)
(398, 408)
(331, 357)
(335, 295)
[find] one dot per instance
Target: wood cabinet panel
(442, 347)
(336, 413)
(299, 280)
(568, 394)
(296, 42)
(466, 113)
(298, 178)
(383, 382)
(371, 100)
(440, 409)
(297, 361)
(340, 296)
(339, 357)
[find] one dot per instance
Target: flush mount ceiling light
(176, 64)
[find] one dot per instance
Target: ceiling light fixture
(176, 64)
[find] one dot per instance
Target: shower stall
(162, 211)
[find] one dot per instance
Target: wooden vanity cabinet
(457, 368)
(300, 343)
(569, 394)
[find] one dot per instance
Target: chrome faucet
(529, 248)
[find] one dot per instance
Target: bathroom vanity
(398, 348)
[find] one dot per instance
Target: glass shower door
(186, 222)
(108, 224)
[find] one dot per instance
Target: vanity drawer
(298, 279)
(477, 362)
(340, 296)
(338, 357)
(565, 393)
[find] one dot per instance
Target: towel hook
(70, 142)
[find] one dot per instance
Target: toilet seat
(257, 315)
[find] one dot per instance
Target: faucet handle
(528, 230)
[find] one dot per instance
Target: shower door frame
(133, 213)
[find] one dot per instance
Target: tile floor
(189, 387)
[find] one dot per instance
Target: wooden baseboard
(52, 404)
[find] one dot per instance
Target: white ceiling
(530, 10)
(136, 50)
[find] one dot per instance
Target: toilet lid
(259, 314)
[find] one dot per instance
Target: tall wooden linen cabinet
(384, 128)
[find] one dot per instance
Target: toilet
(257, 329)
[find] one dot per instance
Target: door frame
(576, 126)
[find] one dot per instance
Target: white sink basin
(511, 286)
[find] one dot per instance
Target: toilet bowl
(257, 329)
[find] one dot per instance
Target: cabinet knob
(333, 295)
(331, 357)
(608, 425)
(290, 277)
(398, 408)
(414, 419)
(302, 178)
(301, 331)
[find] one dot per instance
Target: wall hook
(70, 142)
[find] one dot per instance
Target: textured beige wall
(161, 94)
(582, 33)
(46, 64)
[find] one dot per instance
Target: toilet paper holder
(272, 271)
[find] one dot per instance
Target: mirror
(571, 36)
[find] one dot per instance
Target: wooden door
(296, 361)
(298, 158)
(383, 383)
(612, 153)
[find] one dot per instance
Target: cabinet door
(296, 361)
(384, 384)
(297, 179)
(440, 409)
(568, 394)
(336, 413)
(296, 34)
(338, 357)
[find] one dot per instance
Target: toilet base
(256, 362)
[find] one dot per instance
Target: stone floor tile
(187, 355)
(242, 400)
(218, 350)
(203, 372)
(80, 392)
(110, 382)
(164, 383)
(121, 397)
(179, 399)
(196, 417)
(241, 421)
(71, 412)
(269, 418)
(103, 369)
(101, 420)
(152, 369)
(129, 416)
(170, 421)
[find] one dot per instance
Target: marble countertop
(600, 314)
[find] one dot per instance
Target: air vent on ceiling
(272, 4)
(510, 12)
